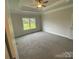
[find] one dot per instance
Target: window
(29, 23)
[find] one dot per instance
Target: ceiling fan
(40, 3)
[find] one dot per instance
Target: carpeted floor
(42, 45)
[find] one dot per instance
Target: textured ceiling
(28, 5)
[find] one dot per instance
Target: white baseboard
(59, 34)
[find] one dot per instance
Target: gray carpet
(42, 45)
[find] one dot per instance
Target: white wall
(18, 25)
(59, 22)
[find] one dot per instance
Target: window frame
(29, 21)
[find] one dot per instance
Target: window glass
(26, 24)
(32, 23)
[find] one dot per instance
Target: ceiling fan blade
(43, 5)
(38, 0)
(45, 2)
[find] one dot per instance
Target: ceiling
(28, 5)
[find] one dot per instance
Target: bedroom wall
(59, 22)
(18, 26)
